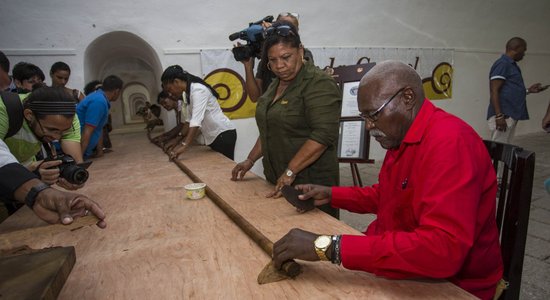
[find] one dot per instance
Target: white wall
(43, 32)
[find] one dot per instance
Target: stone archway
(131, 58)
(134, 97)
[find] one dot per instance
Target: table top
(158, 244)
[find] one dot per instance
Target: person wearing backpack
(46, 115)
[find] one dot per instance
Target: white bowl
(195, 191)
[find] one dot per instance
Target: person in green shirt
(297, 117)
(49, 115)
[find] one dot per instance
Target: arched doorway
(134, 97)
(131, 58)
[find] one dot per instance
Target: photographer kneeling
(44, 117)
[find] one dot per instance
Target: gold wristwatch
(321, 245)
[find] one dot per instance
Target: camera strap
(50, 150)
(14, 110)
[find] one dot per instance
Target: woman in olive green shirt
(298, 118)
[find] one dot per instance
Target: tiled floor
(536, 267)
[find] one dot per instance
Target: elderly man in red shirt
(435, 200)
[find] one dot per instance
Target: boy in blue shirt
(93, 113)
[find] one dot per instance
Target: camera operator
(45, 116)
(257, 85)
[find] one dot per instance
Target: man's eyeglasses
(51, 131)
(282, 30)
(373, 116)
(289, 14)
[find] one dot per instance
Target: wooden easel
(342, 75)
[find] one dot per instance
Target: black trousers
(225, 143)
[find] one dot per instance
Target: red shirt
(435, 204)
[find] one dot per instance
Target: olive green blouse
(308, 109)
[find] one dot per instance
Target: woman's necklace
(280, 90)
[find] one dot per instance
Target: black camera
(254, 37)
(70, 170)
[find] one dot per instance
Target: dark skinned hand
(54, 206)
(296, 244)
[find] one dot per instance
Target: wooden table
(158, 245)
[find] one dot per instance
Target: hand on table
(177, 151)
(169, 145)
(297, 244)
(54, 206)
(282, 181)
(240, 169)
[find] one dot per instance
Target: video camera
(70, 170)
(254, 37)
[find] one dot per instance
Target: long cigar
(291, 268)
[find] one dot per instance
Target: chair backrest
(515, 169)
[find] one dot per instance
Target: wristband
(30, 199)
(183, 143)
(336, 258)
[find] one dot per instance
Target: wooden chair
(515, 168)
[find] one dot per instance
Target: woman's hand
(169, 145)
(282, 181)
(240, 169)
(177, 151)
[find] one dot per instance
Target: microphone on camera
(268, 19)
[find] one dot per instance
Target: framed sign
(351, 145)
(354, 140)
(349, 99)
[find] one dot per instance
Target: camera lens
(75, 174)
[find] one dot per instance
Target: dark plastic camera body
(254, 36)
(70, 170)
(247, 51)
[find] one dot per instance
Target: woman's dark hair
(275, 37)
(177, 72)
(60, 66)
(50, 101)
(91, 87)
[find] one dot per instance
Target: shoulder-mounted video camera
(254, 37)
